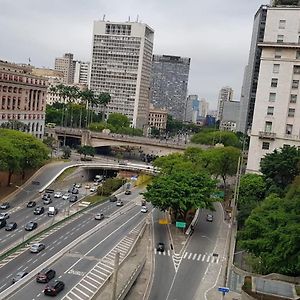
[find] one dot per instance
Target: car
(66, 196)
(2, 223)
(5, 205)
(93, 189)
(37, 247)
(45, 275)
(52, 211)
(75, 191)
(73, 198)
(99, 216)
(58, 195)
(144, 209)
(78, 185)
(54, 288)
(209, 218)
(96, 183)
(87, 186)
(120, 203)
(31, 204)
(46, 196)
(47, 201)
(4, 216)
(38, 210)
(11, 226)
(19, 276)
(70, 190)
(128, 192)
(160, 247)
(143, 202)
(31, 226)
(113, 199)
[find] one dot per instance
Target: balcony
(267, 135)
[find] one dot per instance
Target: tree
(104, 99)
(118, 120)
(15, 125)
(281, 166)
(86, 150)
(66, 152)
(181, 191)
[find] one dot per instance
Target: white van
(52, 211)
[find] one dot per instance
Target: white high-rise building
(82, 71)
(276, 120)
(66, 64)
(121, 66)
(203, 108)
(225, 94)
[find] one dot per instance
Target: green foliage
(209, 137)
(100, 126)
(281, 166)
(174, 126)
(181, 191)
(110, 185)
(272, 233)
(86, 150)
(118, 120)
(66, 152)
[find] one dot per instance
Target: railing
(267, 135)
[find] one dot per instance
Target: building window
(277, 53)
(298, 54)
(272, 97)
(274, 82)
(291, 112)
(280, 38)
(270, 110)
(276, 68)
(293, 98)
(282, 24)
(296, 69)
(265, 146)
(268, 126)
(295, 84)
(289, 129)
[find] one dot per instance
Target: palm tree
(87, 97)
(104, 99)
(73, 93)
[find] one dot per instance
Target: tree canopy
(118, 120)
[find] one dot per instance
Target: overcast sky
(215, 34)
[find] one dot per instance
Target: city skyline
(208, 33)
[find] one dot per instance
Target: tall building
(192, 109)
(203, 108)
(276, 120)
(22, 97)
(230, 116)
(82, 71)
(225, 94)
(121, 66)
(248, 93)
(157, 118)
(66, 64)
(169, 81)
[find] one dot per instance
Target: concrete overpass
(99, 139)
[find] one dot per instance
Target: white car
(120, 203)
(87, 186)
(66, 196)
(144, 209)
(93, 189)
(58, 195)
(78, 185)
(99, 216)
(4, 216)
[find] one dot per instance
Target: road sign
(223, 289)
(180, 224)
(163, 221)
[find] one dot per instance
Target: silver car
(4, 216)
(37, 247)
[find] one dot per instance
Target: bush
(110, 185)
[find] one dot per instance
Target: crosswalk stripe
(208, 258)
(190, 255)
(169, 252)
(199, 256)
(203, 257)
(185, 254)
(195, 255)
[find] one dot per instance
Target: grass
(143, 180)
(95, 199)
(66, 173)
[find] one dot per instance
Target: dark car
(5, 205)
(19, 276)
(31, 204)
(73, 198)
(47, 201)
(75, 191)
(39, 210)
(70, 190)
(2, 223)
(113, 199)
(46, 196)
(54, 288)
(209, 218)
(160, 247)
(11, 226)
(45, 275)
(128, 192)
(31, 226)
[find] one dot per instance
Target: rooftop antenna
(128, 18)
(137, 18)
(103, 18)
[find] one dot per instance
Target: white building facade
(276, 120)
(121, 66)
(82, 72)
(225, 94)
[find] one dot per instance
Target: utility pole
(115, 276)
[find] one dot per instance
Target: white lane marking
(190, 255)
(199, 256)
(185, 254)
(208, 258)
(80, 291)
(75, 295)
(203, 257)
(195, 255)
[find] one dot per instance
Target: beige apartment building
(276, 120)
(22, 97)
(66, 64)
(121, 66)
(157, 118)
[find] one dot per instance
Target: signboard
(180, 225)
(223, 289)
(163, 221)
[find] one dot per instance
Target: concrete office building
(157, 118)
(203, 108)
(66, 64)
(82, 72)
(169, 81)
(121, 66)
(230, 117)
(276, 120)
(192, 109)
(22, 97)
(225, 94)
(248, 93)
